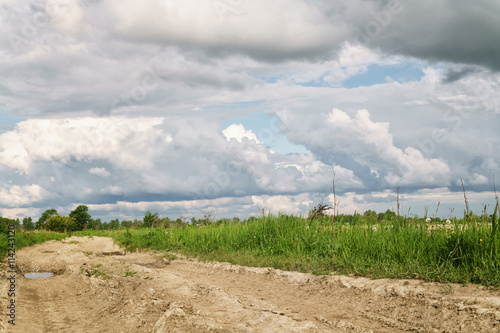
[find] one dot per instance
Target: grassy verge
(465, 251)
(27, 239)
(462, 252)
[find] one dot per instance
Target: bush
(59, 223)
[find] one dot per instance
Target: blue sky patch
(7, 122)
(265, 128)
(377, 74)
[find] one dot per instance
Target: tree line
(79, 219)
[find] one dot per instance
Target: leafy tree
(41, 221)
(370, 216)
(82, 218)
(179, 222)
(390, 215)
(4, 224)
(28, 223)
(137, 223)
(166, 222)
(150, 219)
(114, 224)
(94, 224)
(59, 223)
(126, 224)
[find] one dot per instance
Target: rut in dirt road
(99, 288)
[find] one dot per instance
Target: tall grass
(463, 252)
(24, 238)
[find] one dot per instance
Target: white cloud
(371, 143)
(80, 138)
(20, 213)
(100, 172)
(238, 132)
(15, 195)
(258, 27)
(282, 204)
(180, 159)
(67, 15)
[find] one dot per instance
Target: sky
(228, 107)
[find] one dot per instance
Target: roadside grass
(462, 252)
(24, 238)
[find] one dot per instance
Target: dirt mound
(98, 287)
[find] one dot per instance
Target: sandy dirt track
(144, 292)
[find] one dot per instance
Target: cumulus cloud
(283, 204)
(362, 144)
(100, 172)
(14, 195)
(79, 138)
(153, 158)
(238, 132)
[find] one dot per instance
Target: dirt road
(99, 288)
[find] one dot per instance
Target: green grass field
(462, 252)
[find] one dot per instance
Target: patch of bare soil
(99, 288)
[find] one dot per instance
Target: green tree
(126, 224)
(114, 224)
(94, 224)
(40, 224)
(59, 223)
(166, 222)
(150, 219)
(370, 216)
(390, 215)
(4, 224)
(82, 218)
(28, 223)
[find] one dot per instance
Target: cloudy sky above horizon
(228, 107)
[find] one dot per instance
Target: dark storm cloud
(459, 31)
(452, 74)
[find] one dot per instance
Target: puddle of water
(38, 275)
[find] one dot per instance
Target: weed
(446, 290)
(169, 256)
(93, 271)
(129, 273)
